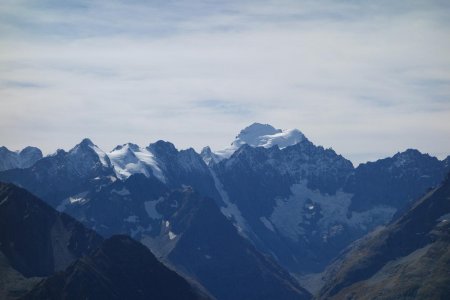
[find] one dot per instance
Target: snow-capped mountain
(295, 201)
(131, 159)
(18, 159)
(265, 135)
(64, 174)
(183, 168)
(303, 203)
(256, 135)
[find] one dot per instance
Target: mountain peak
(86, 146)
(208, 156)
(129, 159)
(18, 159)
(87, 142)
(409, 156)
(258, 129)
(258, 135)
(265, 135)
(133, 147)
(30, 149)
(163, 147)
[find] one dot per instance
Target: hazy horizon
(355, 159)
(366, 79)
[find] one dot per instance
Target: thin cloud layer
(367, 79)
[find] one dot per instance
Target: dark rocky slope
(409, 259)
(36, 240)
(120, 268)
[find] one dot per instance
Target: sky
(367, 78)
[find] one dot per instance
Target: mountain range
(18, 159)
(270, 209)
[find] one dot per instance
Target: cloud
(19, 84)
(360, 77)
(222, 107)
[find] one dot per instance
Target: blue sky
(368, 78)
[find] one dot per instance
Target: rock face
(18, 159)
(408, 259)
(208, 245)
(36, 240)
(304, 204)
(395, 180)
(120, 268)
(187, 231)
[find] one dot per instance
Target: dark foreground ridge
(56, 257)
(120, 269)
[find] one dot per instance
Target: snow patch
(282, 139)
(101, 155)
(132, 219)
(75, 199)
(172, 235)
(290, 214)
(230, 210)
(444, 218)
(150, 208)
(267, 223)
(130, 159)
(140, 230)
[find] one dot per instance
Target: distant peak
(19, 159)
(412, 151)
(258, 129)
(260, 135)
(84, 145)
(86, 142)
(409, 153)
(206, 149)
(30, 149)
(163, 146)
(208, 156)
(118, 147)
(60, 152)
(265, 135)
(131, 146)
